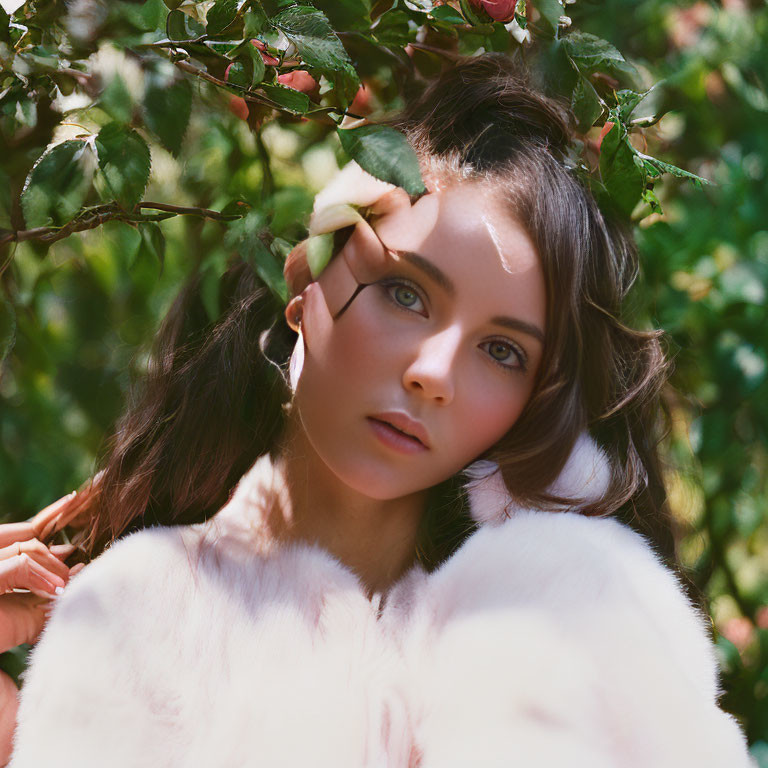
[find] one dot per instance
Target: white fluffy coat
(548, 639)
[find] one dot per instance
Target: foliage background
(78, 313)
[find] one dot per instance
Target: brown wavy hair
(482, 121)
(211, 403)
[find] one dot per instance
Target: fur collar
(545, 640)
(586, 476)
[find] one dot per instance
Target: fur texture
(548, 639)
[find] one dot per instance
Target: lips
(405, 424)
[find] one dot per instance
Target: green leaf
(385, 153)
(649, 196)
(176, 25)
(447, 14)
(7, 328)
(116, 100)
(240, 73)
(645, 108)
(590, 52)
(167, 109)
(245, 236)
(287, 98)
(392, 28)
(5, 21)
(655, 168)
(622, 178)
(153, 241)
(249, 58)
(220, 16)
(586, 104)
(318, 45)
(125, 161)
(57, 186)
(346, 14)
(254, 21)
(551, 11)
(471, 14)
(499, 39)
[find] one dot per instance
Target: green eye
(499, 351)
(506, 355)
(405, 295)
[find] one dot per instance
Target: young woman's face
(449, 335)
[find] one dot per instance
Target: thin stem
(110, 212)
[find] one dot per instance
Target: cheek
(348, 362)
(487, 415)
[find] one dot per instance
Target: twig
(181, 210)
(110, 212)
(268, 183)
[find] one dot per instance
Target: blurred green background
(86, 307)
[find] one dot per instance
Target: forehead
(468, 233)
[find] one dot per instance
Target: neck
(375, 538)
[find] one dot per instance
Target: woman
(347, 606)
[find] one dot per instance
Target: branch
(110, 212)
(247, 95)
(181, 210)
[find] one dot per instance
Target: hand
(27, 563)
(49, 520)
(39, 569)
(31, 565)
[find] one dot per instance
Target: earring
(294, 312)
(296, 362)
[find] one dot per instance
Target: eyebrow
(432, 270)
(445, 282)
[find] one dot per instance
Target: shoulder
(569, 627)
(596, 576)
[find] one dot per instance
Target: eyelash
(388, 285)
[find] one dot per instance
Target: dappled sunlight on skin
(366, 353)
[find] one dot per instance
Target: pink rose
(498, 10)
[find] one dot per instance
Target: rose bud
(498, 10)
(300, 80)
(238, 107)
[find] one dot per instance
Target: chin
(379, 480)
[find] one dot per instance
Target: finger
(390, 202)
(22, 618)
(11, 550)
(22, 572)
(41, 522)
(13, 532)
(54, 555)
(61, 513)
(75, 569)
(62, 551)
(365, 255)
(40, 553)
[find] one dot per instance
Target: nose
(432, 371)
